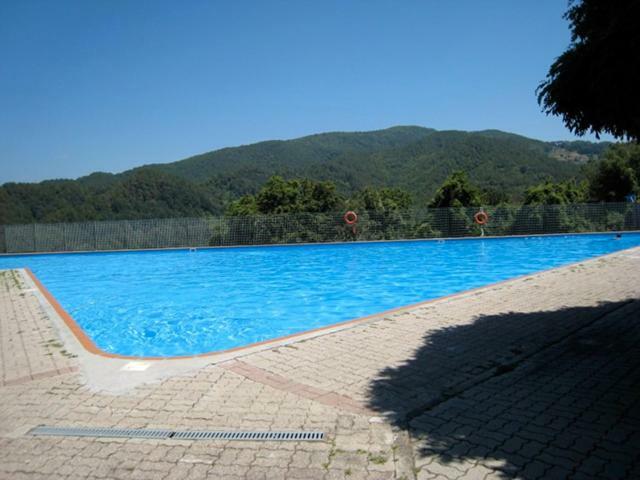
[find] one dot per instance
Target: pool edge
(89, 345)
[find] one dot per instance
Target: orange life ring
(350, 218)
(481, 218)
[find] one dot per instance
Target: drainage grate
(249, 435)
(255, 436)
(101, 432)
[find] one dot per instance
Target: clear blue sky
(108, 85)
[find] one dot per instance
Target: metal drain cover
(247, 435)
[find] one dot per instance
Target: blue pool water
(170, 303)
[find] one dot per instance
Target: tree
(613, 179)
(549, 193)
(381, 199)
(493, 196)
(288, 196)
(154, 194)
(593, 85)
(243, 207)
(629, 153)
(457, 191)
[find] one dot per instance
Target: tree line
(614, 179)
(149, 193)
(303, 210)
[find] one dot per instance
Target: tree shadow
(547, 394)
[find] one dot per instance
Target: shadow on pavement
(549, 394)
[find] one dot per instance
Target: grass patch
(378, 459)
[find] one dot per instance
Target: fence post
(35, 238)
(64, 236)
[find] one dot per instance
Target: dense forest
(402, 165)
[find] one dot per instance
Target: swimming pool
(180, 302)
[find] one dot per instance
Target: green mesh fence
(314, 227)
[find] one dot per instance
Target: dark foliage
(593, 85)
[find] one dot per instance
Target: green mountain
(280, 155)
(416, 159)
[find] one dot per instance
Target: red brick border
(284, 384)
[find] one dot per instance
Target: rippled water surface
(179, 302)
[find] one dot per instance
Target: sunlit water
(180, 302)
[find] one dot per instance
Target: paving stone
(568, 406)
(535, 470)
(593, 466)
(443, 470)
(614, 470)
(478, 472)
(513, 445)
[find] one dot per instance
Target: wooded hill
(415, 159)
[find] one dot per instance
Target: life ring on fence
(481, 218)
(350, 218)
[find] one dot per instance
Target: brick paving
(29, 347)
(534, 378)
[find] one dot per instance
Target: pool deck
(538, 377)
